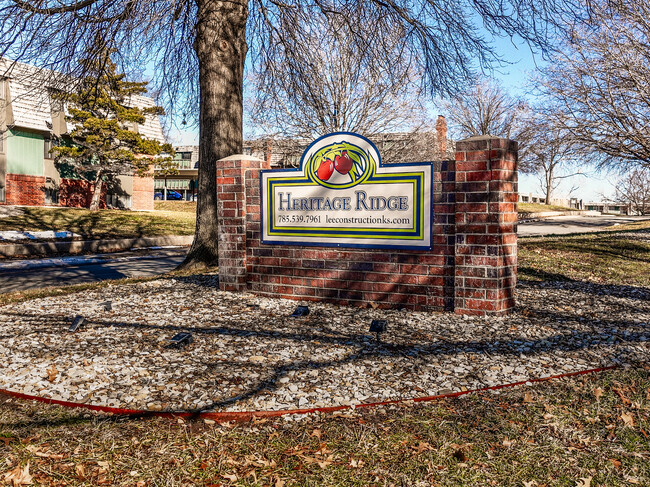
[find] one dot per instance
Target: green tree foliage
(103, 141)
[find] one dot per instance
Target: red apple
(343, 163)
(325, 169)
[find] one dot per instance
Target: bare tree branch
(633, 189)
(198, 51)
(598, 88)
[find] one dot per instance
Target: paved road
(561, 225)
(32, 274)
(22, 275)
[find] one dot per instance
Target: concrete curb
(35, 249)
(551, 214)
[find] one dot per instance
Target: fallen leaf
(19, 476)
(52, 373)
(507, 442)
(80, 470)
(619, 393)
(598, 392)
(6, 440)
(321, 463)
(141, 483)
(317, 433)
(36, 450)
(279, 482)
(615, 462)
(423, 446)
(584, 482)
(232, 476)
(532, 483)
(356, 463)
(627, 418)
(528, 397)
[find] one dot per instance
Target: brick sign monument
(346, 227)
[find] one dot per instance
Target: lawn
(538, 207)
(103, 223)
(585, 431)
(175, 206)
(620, 256)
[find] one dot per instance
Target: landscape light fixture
(108, 305)
(76, 323)
(377, 327)
(300, 311)
(181, 339)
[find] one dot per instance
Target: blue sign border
(420, 226)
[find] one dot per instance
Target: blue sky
(593, 185)
(514, 78)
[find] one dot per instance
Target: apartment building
(29, 119)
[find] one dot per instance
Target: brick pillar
(231, 217)
(142, 197)
(486, 226)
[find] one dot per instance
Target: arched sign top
(340, 160)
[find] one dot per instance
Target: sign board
(342, 196)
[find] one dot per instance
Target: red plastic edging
(248, 415)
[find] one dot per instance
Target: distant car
(171, 195)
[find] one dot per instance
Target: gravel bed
(249, 354)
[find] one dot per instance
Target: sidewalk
(527, 216)
(72, 247)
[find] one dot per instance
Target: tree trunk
(97, 193)
(549, 185)
(164, 191)
(221, 47)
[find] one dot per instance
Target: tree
(549, 153)
(633, 189)
(331, 85)
(199, 48)
(102, 143)
(597, 87)
(487, 109)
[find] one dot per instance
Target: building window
(184, 160)
(118, 201)
(2, 88)
(51, 196)
(47, 148)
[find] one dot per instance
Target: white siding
(30, 87)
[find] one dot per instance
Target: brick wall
(470, 269)
(21, 189)
(77, 193)
(142, 198)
